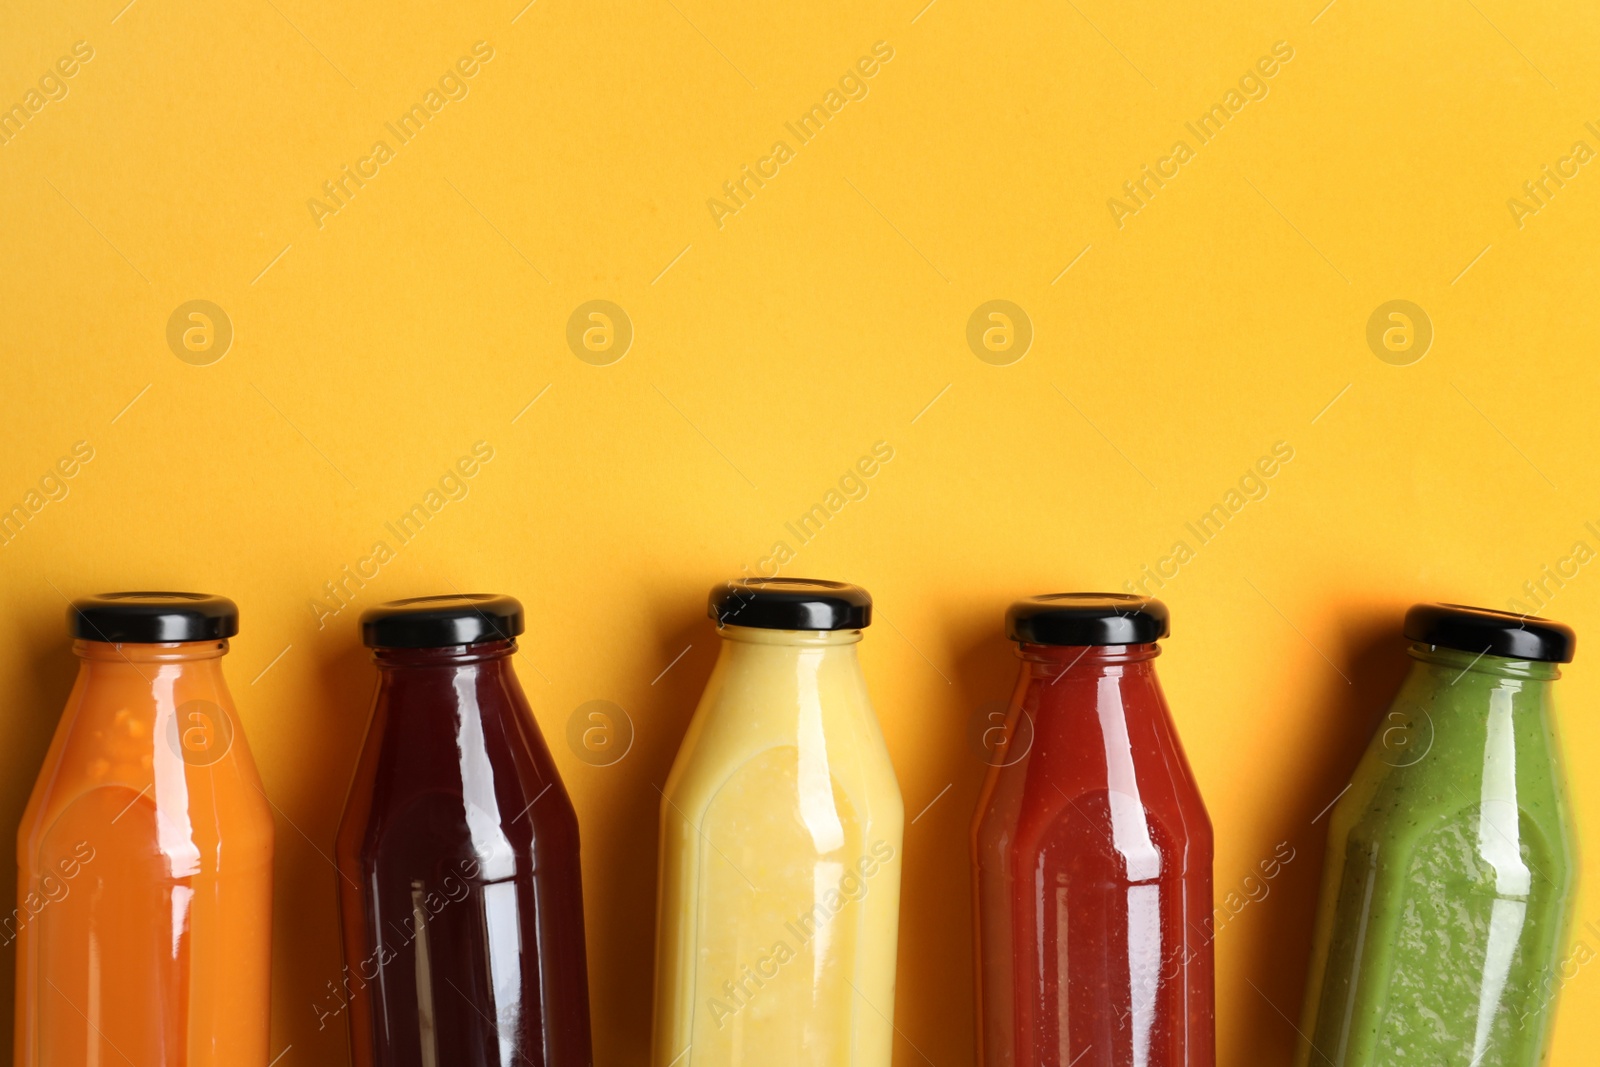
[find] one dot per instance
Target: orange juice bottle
(143, 926)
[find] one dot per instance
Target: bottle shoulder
(494, 812)
(1066, 746)
(1418, 772)
(835, 725)
(1096, 829)
(179, 827)
(760, 792)
(427, 745)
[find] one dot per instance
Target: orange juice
(145, 854)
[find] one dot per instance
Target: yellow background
(770, 353)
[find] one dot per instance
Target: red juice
(1092, 853)
(460, 891)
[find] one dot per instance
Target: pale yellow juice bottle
(781, 832)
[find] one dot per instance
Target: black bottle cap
(790, 604)
(1086, 619)
(1487, 632)
(441, 621)
(153, 618)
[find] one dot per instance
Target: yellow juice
(781, 829)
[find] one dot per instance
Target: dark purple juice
(460, 890)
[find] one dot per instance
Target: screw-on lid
(441, 621)
(1487, 632)
(153, 618)
(790, 604)
(1086, 619)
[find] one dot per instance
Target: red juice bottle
(1092, 853)
(460, 891)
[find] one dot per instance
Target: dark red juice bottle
(1092, 853)
(460, 893)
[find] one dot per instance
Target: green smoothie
(1450, 862)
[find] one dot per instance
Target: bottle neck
(1051, 663)
(488, 654)
(129, 662)
(445, 695)
(790, 657)
(1458, 668)
(737, 637)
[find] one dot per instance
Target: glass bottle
(460, 891)
(1092, 853)
(1450, 863)
(781, 827)
(143, 927)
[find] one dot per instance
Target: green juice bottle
(1450, 864)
